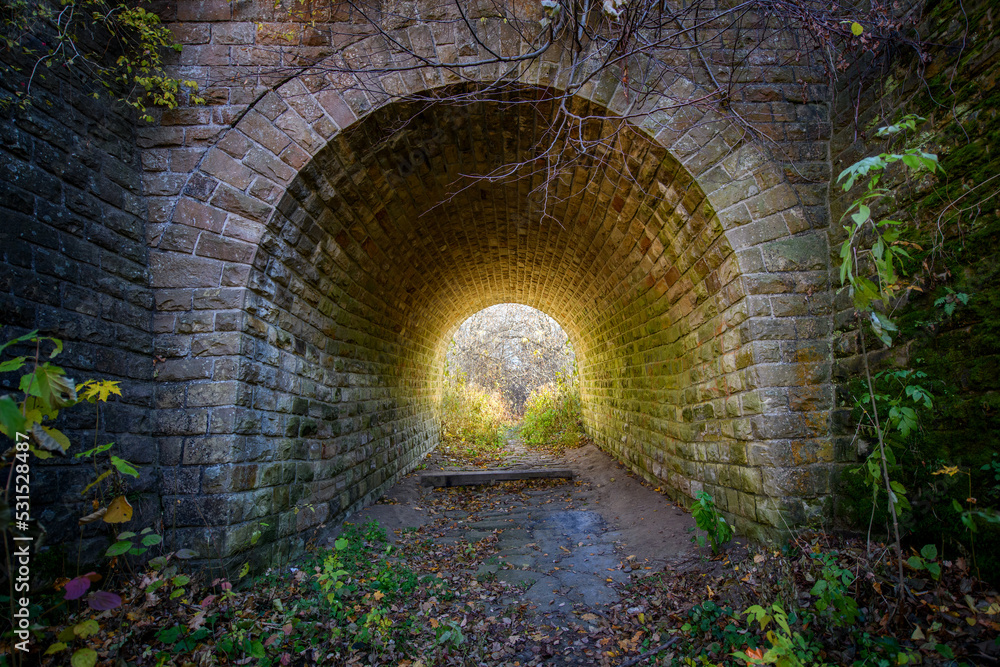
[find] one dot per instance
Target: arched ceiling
(409, 204)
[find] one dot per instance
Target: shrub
(473, 420)
(552, 415)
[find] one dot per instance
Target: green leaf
(857, 29)
(12, 364)
(180, 580)
(124, 467)
(169, 635)
(257, 649)
(915, 563)
(30, 336)
(96, 450)
(935, 570)
(49, 383)
(185, 554)
(11, 419)
(126, 535)
(86, 629)
(150, 540)
(944, 651)
(118, 548)
(84, 657)
(929, 552)
(55, 648)
(862, 216)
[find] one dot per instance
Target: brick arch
(303, 335)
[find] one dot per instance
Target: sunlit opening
(510, 380)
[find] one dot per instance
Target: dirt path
(563, 550)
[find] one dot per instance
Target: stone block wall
(74, 265)
(312, 243)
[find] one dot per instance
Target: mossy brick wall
(308, 262)
(956, 90)
(73, 264)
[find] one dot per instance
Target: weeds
(552, 416)
(708, 519)
(474, 423)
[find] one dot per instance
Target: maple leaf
(100, 389)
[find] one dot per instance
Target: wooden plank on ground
(448, 478)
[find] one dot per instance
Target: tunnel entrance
(511, 349)
(702, 360)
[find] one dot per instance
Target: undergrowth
(552, 416)
(474, 423)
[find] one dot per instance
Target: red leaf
(103, 600)
(75, 588)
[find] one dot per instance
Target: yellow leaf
(379, 595)
(100, 478)
(434, 623)
(119, 511)
(993, 609)
(101, 389)
(971, 620)
(857, 29)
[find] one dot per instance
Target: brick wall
(73, 264)
(309, 258)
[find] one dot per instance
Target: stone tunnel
(299, 258)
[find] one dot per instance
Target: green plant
(28, 422)
(552, 415)
(449, 634)
(873, 248)
(951, 300)
(788, 648)
(330, 576)
(831, 588)
(118, 44)
(473, 421)
(708, 519)
(125, 544)
(897, 395)
(926, 560)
